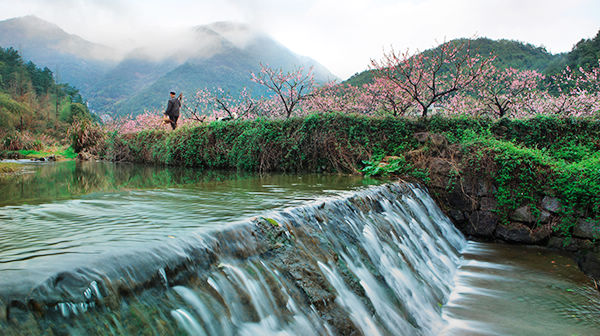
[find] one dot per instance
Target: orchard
(451, 80)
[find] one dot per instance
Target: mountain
(72, 59)
(229, 53)
(221, 54)
(508, 54)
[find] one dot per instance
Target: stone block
(590, 264)
(439, 166)
(483, 223)
(571, 245)
(514, 233)
(545, 216)
(479, 188)
(438, 140)
(421, 136)
(488, 203)
(587, 229)
(522, 234)
(551, 204)
(456, 215)
(486, 189)
(523, 214)
(457, 200)
(439, 181)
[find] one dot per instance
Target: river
(113, 249)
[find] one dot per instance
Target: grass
(58, 152)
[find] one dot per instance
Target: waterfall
(379, 261)
(387, 254)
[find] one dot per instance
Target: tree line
(32, 102)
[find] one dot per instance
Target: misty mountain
(221, 54)
(72, 59)
(508, 53)
(225, 54)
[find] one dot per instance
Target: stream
(96, 248)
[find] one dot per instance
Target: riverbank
(534, 181)
(54, 153)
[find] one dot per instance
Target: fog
(199, 42)
(342, 35)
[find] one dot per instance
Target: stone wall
(468, 198)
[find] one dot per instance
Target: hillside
(222, 54)
(508, 54)
(585, 53)
(34, 109)
(72, 59)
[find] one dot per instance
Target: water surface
(68, 212)
(520, 290)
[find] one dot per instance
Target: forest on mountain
(35, 111)
(519, 55)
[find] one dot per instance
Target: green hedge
(331, 142)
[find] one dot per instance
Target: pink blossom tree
(575, 93)
(390, 97)
(428, 77)
(344, 98)
(464, 103)
(220, 105)
(290, 88)
(506, 91)
(149, 120)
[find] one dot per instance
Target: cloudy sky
(341, 34)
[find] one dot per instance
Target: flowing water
(99, 248)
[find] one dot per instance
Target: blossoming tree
(218, 104)
(430, 76)
(344, 98)
(290, 88)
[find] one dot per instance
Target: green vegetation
(523, 174)
(35, 111)
(585, 53)
(332, 142)
(508, 53)
(59, 152)
(393, 165)
(531, 158)
(515, 54)
(272, 221)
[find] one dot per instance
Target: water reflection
(45, 182)
(66, 211)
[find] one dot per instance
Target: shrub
(85, 134)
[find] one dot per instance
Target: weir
(380, 261)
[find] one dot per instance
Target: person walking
(173, 107)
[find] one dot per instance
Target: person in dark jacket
(173, 109)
